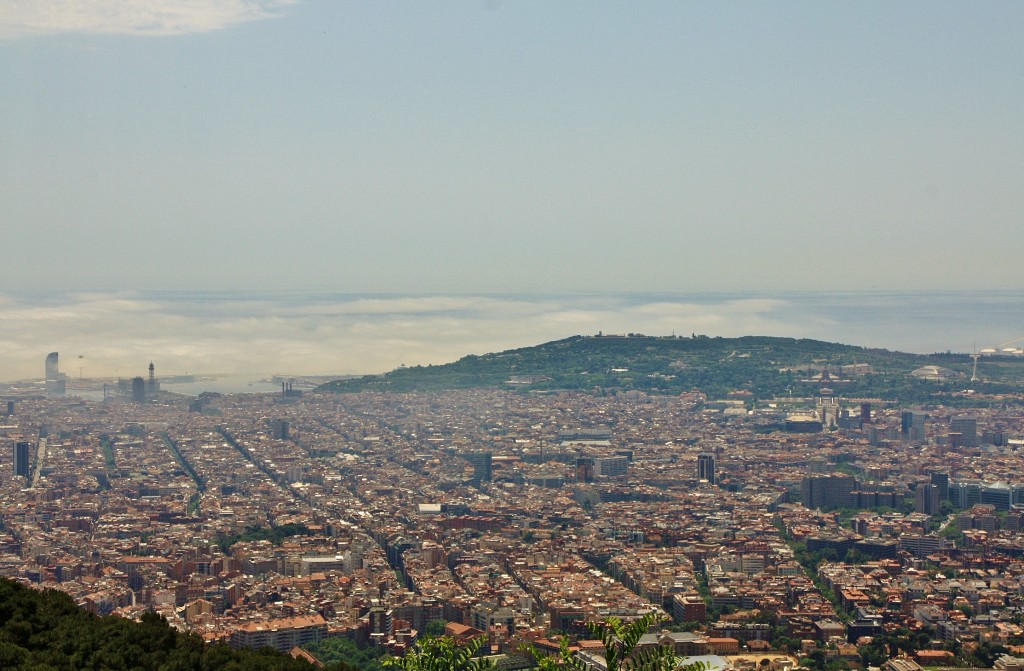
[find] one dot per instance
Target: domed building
(935, 373)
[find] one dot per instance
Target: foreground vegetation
(45, 631)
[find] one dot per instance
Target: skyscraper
(279, 429)
(56, 382)
(967, 427)
(926, 499)
(941, 480)
(827, 491)
(21, 465)
(706, 467)
(481, 462)
(51, 367)
(138, 390)
(912, 425)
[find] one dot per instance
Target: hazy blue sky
(510, 146)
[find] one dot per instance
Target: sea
(235, 342)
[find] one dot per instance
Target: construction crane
(1002, 348)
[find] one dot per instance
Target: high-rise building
(999, 437)
(827, 491)
(926, 499)
(52, 370)
(584, 469)
(56, 382)
(967, 427)
(941, 480)
(706, 467)
(999, 494)
(21, 457)
(865, 413)
(279, 429)
(610, 467)
(965, 494)
(138, 390)
(481, 462)
(912, 425)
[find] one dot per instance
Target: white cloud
(118, 334)
(130, 17)
(293, 333)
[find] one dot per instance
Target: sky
(440, 148)
(320, 186)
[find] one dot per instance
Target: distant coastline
(248, 333)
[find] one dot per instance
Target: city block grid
(864, 533)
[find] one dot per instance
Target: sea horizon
(262, 333)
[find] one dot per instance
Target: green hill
(764, 366)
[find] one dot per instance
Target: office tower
(865, 413)
(10, 408)
(56, 382)
(706, 467)
(279, 429)
(912, 425)
(51, 368)
(967, 427)
(965, 494)
(610, 467)
(827, 491)
(941, 480)
(381, 620)
(481, 462)
(926, 499)
(584, 469)
(21, 466)
(906, 422)
(999, 437)
(138, 390)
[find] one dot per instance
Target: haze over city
(117, 334)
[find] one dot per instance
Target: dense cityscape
(816, 531)
(459, 336)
